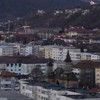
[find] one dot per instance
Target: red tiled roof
(7, 74)
(87, 64)
(80, 30)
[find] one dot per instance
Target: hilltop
(10, 9)
(86, 16)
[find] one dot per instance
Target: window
(41, 98)
(43, 92)
(23, 87)
(7, 65)
(11, 65)
(97, 78)
(19, 65)
(97, 74)
(11, 69)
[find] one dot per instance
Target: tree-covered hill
(17, 8)
(87, 16)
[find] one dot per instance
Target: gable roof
(68, 58)
(50, 62)
(36, 72)
(87, 64)
(22, 59)
(7, 74)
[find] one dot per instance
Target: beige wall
(97, 76)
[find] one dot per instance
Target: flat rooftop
(45, 85)
(61, 47)
(75, 94)
(12, 95)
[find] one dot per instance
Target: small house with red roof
(78, 32)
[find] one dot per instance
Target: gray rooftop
(80, 93)
(12, 95)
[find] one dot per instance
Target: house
(93, 2)
(64, 38)
(74, 31)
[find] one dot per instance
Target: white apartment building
(9, 84)
(46, 91)
(26, 50)
(6, 50)
(25, 69)
(23, 65)
(57, 52)
(9, 49)
(84, 56)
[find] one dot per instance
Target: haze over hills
(15, 8)
(86, 16)
(11, 9)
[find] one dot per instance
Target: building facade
(57, 52)
(97, 76)
(6, 51)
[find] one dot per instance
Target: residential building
(76, 31)
(45, 91)
(26, 50)
(12, 95)
(57, 52)
(6, 50)
(93, 2)
(23, 65)
(87, 72)
(84, 56)
(97, 76)
(65, 38)
(8, 81)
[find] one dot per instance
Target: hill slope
(88, 17)
(15, 8)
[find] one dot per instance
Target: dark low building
(87, 73)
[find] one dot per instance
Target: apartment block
(57, 52)
(26, 50)
(6, 50)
